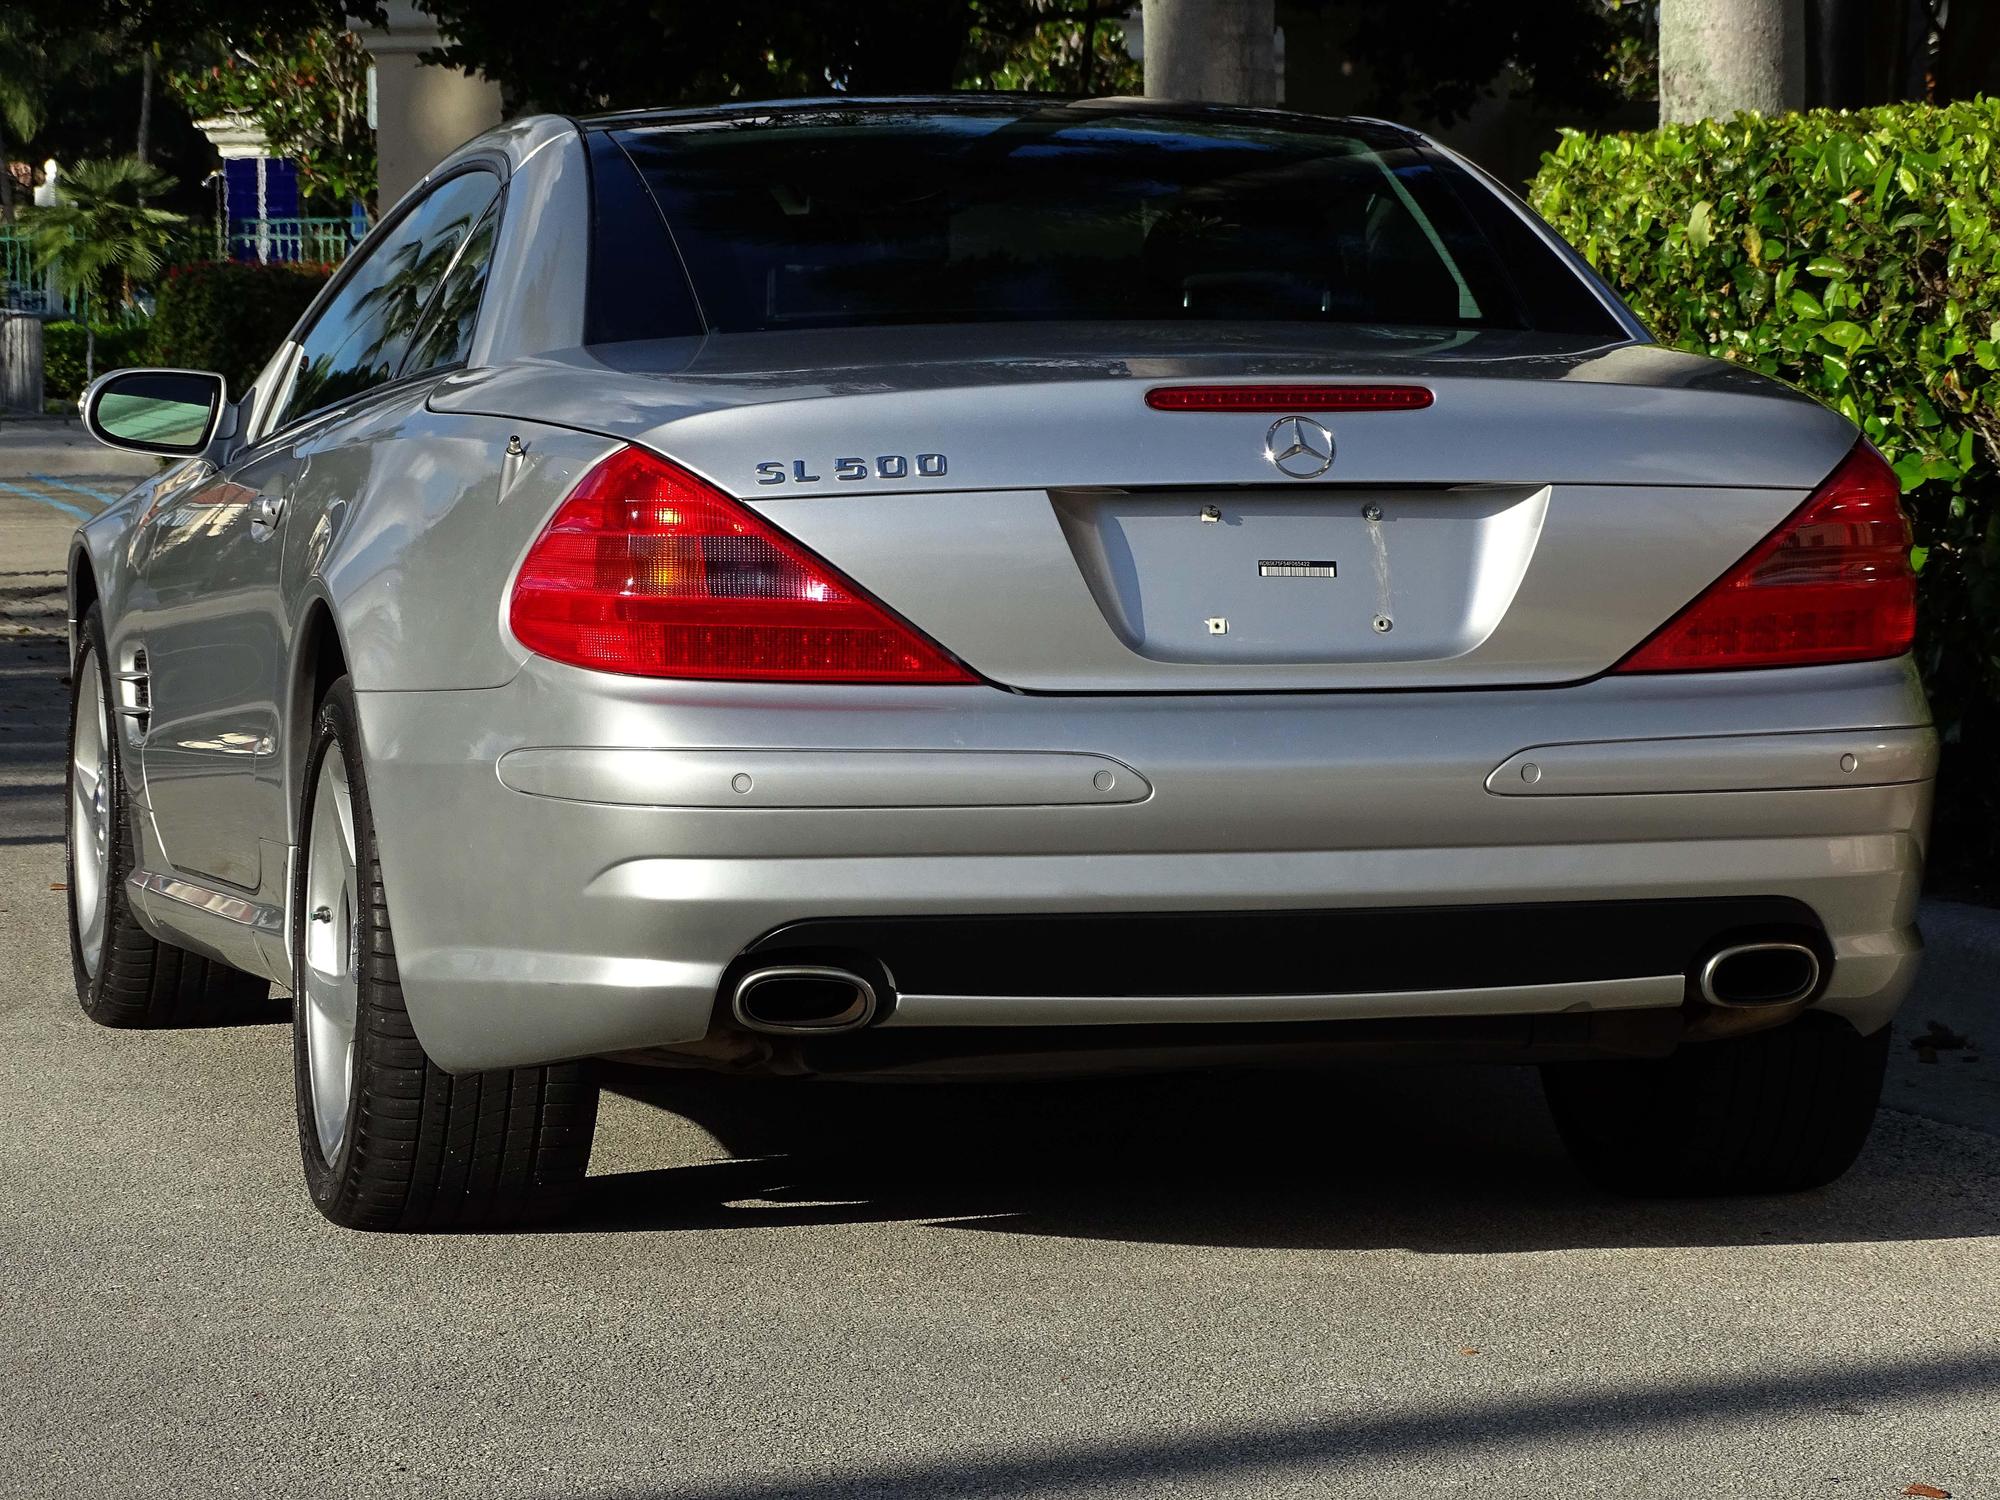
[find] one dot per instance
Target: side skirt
(218, 923)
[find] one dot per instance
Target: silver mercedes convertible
(980, 586)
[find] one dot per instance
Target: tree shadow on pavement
(1437, 1159)
(1330, 1449)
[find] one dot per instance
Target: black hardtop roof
(774, 112)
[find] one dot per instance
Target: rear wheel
(1773, 1112)
(124, 975)
(389, 1139)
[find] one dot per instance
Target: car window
(445, 337)
(851, 216)
(638, 288)
(361, 336)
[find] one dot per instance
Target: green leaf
(1701, 225)
(1806, 305)
(1849, 336)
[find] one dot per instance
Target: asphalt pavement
(1380, 1281)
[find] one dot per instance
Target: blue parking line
(62, 505)
(80, 489)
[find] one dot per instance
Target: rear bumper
(550, 901)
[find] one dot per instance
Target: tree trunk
(145, 104)
(89, 341)
(1088, 85)
(1721, 56)
(905, 46)
(1860, 51)
(1842, 72)
(1218, 50)
(1969, 59)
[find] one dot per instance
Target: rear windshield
(849, 217)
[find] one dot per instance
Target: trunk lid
(1009, 492)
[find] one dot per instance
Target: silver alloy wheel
(328, 983)
(90, 815)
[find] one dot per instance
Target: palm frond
(105, 226)
(20, 111)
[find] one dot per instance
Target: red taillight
(1834, 583)
(647, 570)
(1288, 397)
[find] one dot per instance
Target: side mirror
(173, 412)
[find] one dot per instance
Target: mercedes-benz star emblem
(1300, 447)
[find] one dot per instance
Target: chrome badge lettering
(883, 466)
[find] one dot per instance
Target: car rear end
(1266, 601)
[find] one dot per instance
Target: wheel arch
(319, 659)
(82, 591)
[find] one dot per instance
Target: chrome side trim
(241, 911)
(134, 696)
(1115, 1010)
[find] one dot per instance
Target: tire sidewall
(334, 733)
(94, 658)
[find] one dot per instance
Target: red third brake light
(650, 571)
(1289, 397)
(1833, 583)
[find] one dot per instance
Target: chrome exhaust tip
(1750, 975)
(803, 1000)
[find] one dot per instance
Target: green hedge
(1858, 257)
(229, 316)
(63, 356)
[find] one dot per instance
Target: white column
(239, 138)
(48, 195)
(421, 113)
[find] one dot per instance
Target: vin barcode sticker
(1296, 567)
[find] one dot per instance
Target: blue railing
(23, 287)
(278, 240)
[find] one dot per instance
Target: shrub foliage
(63, 356)
(1858, 257)
(229, 316)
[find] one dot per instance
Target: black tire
(421, 1149)
(139, 980)
(1777, 1111)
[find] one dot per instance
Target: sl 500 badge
(887, 466)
